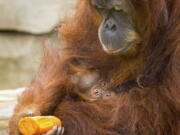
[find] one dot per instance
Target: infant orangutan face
(91, 87)
(97, 92)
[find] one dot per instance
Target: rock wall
(35, 21)
(8, 99)
(34, 16)
(20, 55)
(25, 25)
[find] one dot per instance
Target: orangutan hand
(13, 123)
(56, 131)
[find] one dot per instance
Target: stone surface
(20, 56)
(34, 16)
(20, 53)
(8, 99)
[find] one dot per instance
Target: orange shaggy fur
(153, 109)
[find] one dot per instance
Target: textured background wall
(24, 27)
(34, 16)
(35, 21)
(19, 57)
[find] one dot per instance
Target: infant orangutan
(98, 92)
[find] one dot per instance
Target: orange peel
(38, 125)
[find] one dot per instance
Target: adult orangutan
(118, 73)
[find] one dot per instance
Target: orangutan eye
(118, 8)
(99, 6)
(100, 9)
(97, 92)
